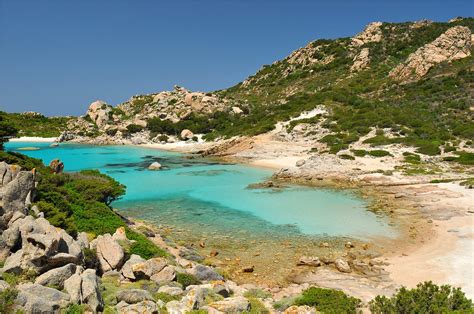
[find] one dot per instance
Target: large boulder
(90, 290)
(34, 298)
(99, 113)
(342, 265)
(109, 253)
(205, 273)
(144, 307)
(8, 173)
(147, 269)
(154, 166)
(15, 195)
(186, 134)
(127, 270)
(56, 166)
(167, 274)
(134, 296)
(57, 276)
(232, 305)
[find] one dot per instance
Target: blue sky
(58, 56)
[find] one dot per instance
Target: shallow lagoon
(206, 197)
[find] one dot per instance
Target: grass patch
(187, 280)
(379, 153)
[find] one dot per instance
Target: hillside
(411, 83)
(34, 124)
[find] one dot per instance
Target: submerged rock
(155, 166)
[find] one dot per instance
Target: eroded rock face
(361, 60)
(342, 265)
(99, 112)
(372, 33)
(452, 45)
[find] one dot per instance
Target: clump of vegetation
(425, 298)
(359, 152)
(328, 300)
(7, 300)
(165, 297)
(134, 128)
(187, 279)
(33, 124)
(379, 153)
(411, 158)
(464, 158)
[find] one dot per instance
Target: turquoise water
(212, 197)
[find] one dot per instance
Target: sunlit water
(210, 197)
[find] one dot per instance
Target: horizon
(112, 50)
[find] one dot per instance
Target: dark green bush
(143, 246)
(425, 298)
(328, 300)
(134, 128)
(379, 153)
(187, 279)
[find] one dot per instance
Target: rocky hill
(411, 83)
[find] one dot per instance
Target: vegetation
(187, 279)
(7, 300)
(34, 124)
(6, 130)
(425, 298)
(328, 300)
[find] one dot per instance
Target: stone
(186, 134)
(126, 270)
(167, 274)
(300, 163)
(342, 265)
(90, 290)
(309, 261)
(205, 273)
(99, 112)
(237, 110)
(144, 307)
(349, 245)
(176, 307)
(248, 269)
(83, 240)
(15, 194)
(154, 166)
(109, 253)
(232, 305)
(34, 298)
(56, 166)
(361, 60)
(57, 276)
(120, 234)
(173, 291)
(134, 296)
(148, 268)
(73, 287)
(13, 263)
(304, 309)
(68, 245)
(196, 297)
(372, 33)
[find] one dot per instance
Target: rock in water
(154, 166)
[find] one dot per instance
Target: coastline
(437, 238)
(34, 139)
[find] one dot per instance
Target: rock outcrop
(372, 33)
(452, 45)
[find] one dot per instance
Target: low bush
(379, 153)
(134, 128)
(425, 298)
(7, 300)
(187, 279)
(328, 300)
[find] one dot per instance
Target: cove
(211, 197)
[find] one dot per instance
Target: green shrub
(379, 153)
(165, 297)
(359, 152)
(187, 279)
(425, 298)
(74, 309)
(346, 156)
(7, 300)
(411, 158)
(111, 132)
(134, 128)
(328, 300)
(143, 246)
(163, 138)
(257, 307)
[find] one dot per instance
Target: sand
(34, 139)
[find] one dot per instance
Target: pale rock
(372, 33)
(109, 253)
(304, 309)
(309, 261)
(342, 265)
(34, 298)
(237, 110)
(205, 273)
(73, 287)
(149, 268)
(90, 290)
(144, 307)
(361, 60)
(173, 291)
(232, 305)
(154, 166)
(186, 134)
(127, 270)
(3, 285)
(134, 296)
(167, 274)
(176, 307)
(56, 276)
